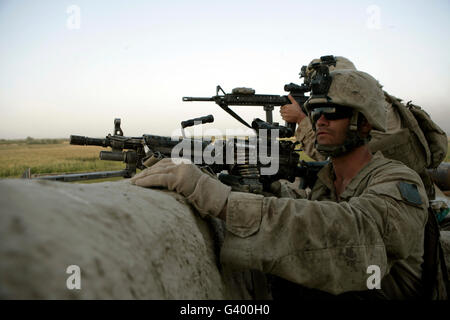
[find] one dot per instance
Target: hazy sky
(71, 67)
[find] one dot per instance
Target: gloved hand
(207, 194)
(180, 178)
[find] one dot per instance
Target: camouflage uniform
(328, 242)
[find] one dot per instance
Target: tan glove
(208, 195)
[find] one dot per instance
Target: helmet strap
(354, 121)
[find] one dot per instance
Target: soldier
(369, 215)
(292, 112)
(403, 139)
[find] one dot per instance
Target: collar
(327, 176)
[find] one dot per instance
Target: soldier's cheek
(324, 138)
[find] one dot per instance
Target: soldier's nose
(322, 121)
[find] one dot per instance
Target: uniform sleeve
(305, 135)
(323, 244)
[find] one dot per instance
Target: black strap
(234, 115)
(444, 272)
(433, 258)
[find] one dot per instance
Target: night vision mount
(320, 81)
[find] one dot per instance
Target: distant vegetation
(30, 140)
(49, 156)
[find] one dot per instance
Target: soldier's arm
(322, 244)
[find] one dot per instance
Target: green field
(50, 156)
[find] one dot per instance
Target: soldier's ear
(364, 126)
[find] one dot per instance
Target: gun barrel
(441, 176)
(197, 99)
(255, 100)
(86, 141)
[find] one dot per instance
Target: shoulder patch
(409, 192)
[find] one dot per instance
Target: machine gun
(247, 97)
(246, 177)
(242, 173)
(130, 150)
(245, 171)
(135, 152)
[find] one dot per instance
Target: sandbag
(128, 242)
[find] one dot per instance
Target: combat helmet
(341, 63)
(351, 89)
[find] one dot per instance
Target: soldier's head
(341, 63)
(344, 106)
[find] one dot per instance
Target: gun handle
(291, 125)
(191, 122)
